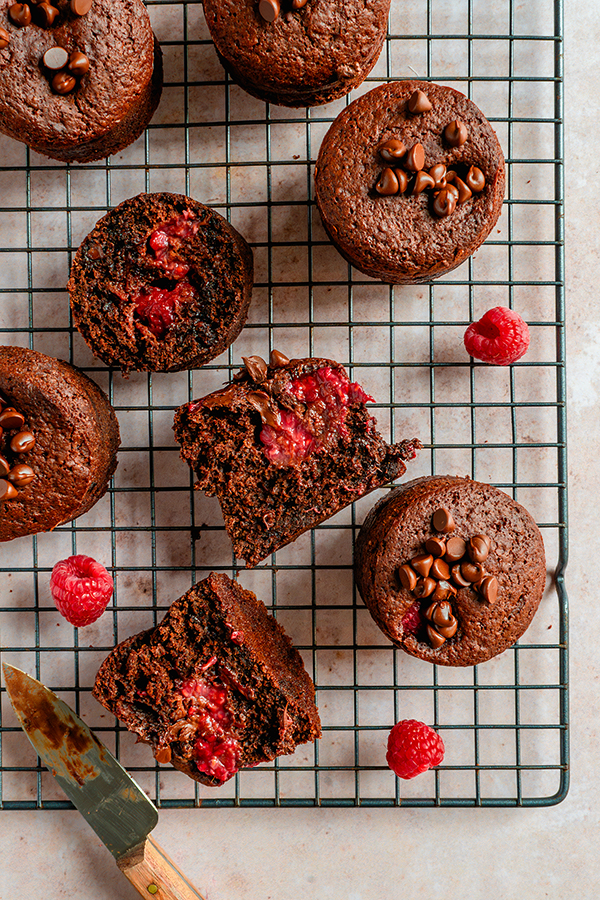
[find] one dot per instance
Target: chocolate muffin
(452, 570)
(297, 52)
(58, 442)
(284, 447)
(216, 686)
(409, 181)
(79, 80)
(162, 283)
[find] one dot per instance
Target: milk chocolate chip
(475, 179)
(419, 102)
(256, 368)
(21, 475)
(442, 521)
(277, 359)
(392, 151)
(387, 185)
(62, 83)
(79, 64)
(55, 58)
(456, 133)
(269, 9)
(45, 14)
(19, 14)
(81, 7)
(415, 158)
(4, 38)
(444, 202)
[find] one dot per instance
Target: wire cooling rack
(504, 723)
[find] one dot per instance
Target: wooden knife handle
(154, 875)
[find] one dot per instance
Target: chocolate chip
(4, 38)
(444, 202)
(425, 587)
(440, 613)
(488, 587)
(22, 442)
(452, 189)
(422, 564)
(423, 182)
(419, 102)
(277, 359)
(456, 133)
(392, 151)
(220, 398)
(448, 631)
(443, 589)
(269, 9)
(7, 490)
(79, 64)
(402, 180)
(415, 158)
(436, 546)
(163, 754)
(298, 4)
(475, 179)
(443, 521)
(478, 548)
(10, 419)
(21, 475)
(256, 368)
(19, 14)
(440, 570)
(471, 572)
(55, 58)
(45, 14)
(81, 7)
(455, 549)
(457, 577)
(438, 173)
(407, 577)
(62, 83)
(95, 251)
(262, 404)
(4, 467)
(435, 639)
(387, 185)
(464, 193)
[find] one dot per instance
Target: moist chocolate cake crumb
(216, 686)
(284, 447)
(452, 570)
(65, 469)
(162, 283)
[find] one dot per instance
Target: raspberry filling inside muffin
(216, 749)
(327, 395)
(158, 306)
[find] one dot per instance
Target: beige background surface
(350, 854)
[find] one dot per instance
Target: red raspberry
(81, 589)
(413, 747)
(500, 338)
(412, 619)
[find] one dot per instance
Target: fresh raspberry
(412, 619)
(81, 589)
(500, 338)
(413, 747)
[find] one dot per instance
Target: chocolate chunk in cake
(215, 687)
(284, 447)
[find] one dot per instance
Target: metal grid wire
(505, 722)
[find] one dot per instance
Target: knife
(114, 805)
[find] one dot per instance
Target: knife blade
(109, 799)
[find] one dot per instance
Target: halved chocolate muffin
(409, 181)
(297, 52)
(216, 686)
(162, 283)
(284, 447)
(452, 570)
(79, 80)
(58, 442)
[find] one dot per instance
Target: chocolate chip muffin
(79, 80)
(58, 442)
(409, 181)
(216, 686)
(162, 283)
(452, 570)
(284, 447)
(297, 52)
